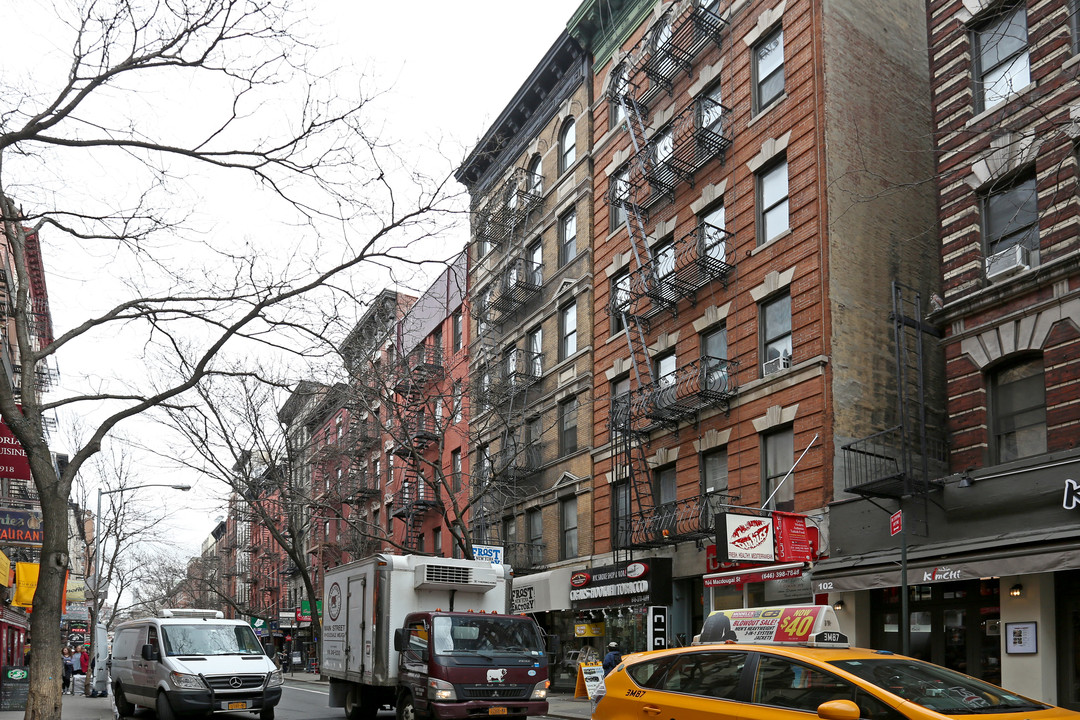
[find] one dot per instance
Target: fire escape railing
(690, 518)
(509, 207)
(518, 370)
(517, 460)
(519, 284)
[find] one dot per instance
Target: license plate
(237, 706)
(497, 711)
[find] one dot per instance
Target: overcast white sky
(447, 68)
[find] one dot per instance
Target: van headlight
(186, 682)
(276, 679)
(540, 691)
(440, 690)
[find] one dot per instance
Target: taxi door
(699, 685)
(780, 688)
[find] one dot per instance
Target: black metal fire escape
(505, 375)
(660, 278)
(416, 495)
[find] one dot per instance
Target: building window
(620, 301)
(664, 376)
(483, 310)
(776, 335)
(568, 523)
(436, 541)
(1074, 25)
(620, 511)
(568, 331)
(567, 237)
(457, 398)
(664, 262)
(712, 110)
(620, 78)
(620, 194)
(455, 469)
(772, 195)
(665, 485)
(1018, 410)
(377, 468)
(620, 407)
(535, 258)
(768, 69)
(420, 543)
(1011, 228)
(1001, 56)
(509, 534)
(535, 526)
(534, 342)
(568, 421)
(455, 322)
(778, 456)
(534, 182)
(714, 364)
(714, 235)
(714, 477)
(567, 146)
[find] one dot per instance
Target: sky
(444, 71)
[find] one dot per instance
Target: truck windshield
(479, 635)
(207, 639)
(937, 688)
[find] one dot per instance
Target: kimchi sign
(744, 538)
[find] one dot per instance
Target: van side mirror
(148, 652)
(399, 639)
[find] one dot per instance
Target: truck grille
(225, 683)
(494, 692)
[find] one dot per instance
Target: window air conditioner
(776, 365)
(1007, 262)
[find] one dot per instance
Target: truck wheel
(123, 707)
(405, 708)
(163, 708)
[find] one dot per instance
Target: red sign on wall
(896, 522)
(13, 460)
(792, 539)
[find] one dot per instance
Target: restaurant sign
(641, 582)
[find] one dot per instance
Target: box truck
(430, 637)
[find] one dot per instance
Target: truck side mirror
(399, 639)
(148, 652)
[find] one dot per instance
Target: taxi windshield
(937, 688)
(486, 636)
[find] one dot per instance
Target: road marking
(304, 689)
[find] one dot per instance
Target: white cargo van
(192, 662)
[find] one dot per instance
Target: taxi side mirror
(838, 710)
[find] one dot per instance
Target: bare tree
(184, 297)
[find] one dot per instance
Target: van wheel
(163, 708)
(123, 707)
(266, 714)
(406, 710)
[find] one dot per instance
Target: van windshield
(207, 639)
(488, 636)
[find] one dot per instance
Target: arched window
(1018, 410)
(535, 181)
(567, 146)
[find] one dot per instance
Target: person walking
(613, 657)
(69, 671)
(84, 669)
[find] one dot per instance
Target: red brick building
(745, 248)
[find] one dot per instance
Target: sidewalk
(562, 705)
(74, 707)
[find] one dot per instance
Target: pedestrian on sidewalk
(613, 657)
(69, 671)
(84, 668)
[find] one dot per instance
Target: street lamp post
(97, 565)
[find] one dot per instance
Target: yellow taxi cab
(788, 663)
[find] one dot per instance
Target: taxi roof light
(804, 625)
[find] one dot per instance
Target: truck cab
(464, 665)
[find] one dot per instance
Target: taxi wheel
(163, 708)
(123, 707)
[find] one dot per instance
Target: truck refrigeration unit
(430, 637)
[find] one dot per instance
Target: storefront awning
(541, 592)
(925, 566)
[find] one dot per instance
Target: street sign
(896, 522)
